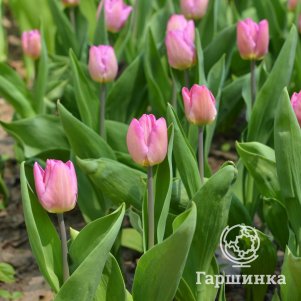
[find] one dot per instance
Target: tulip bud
(116, 14)
(56, 186)
(292, 4)
(103, 66)
(179, 42)
(299, 23)
(147, 140)
(70, 3)
(199, 104)
(31, 43)
(296, 104)
(252, 39)
(194, 9)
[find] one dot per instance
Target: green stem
(253, 81)
(150, 208)
(72, 18)
(102, 111)
(174, 95)
(186, 77)
(63, 235)
(201, 153)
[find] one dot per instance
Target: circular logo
(239, 244)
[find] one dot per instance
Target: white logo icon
(242, 249)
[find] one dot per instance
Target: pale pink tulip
(179, 41)
(116, 14)
(292, 4)
(103, 66)
(56, 186)
(147, 140)
(199, 104)
(296, 104)
(252, 39)
(194, 9)
(31, 43)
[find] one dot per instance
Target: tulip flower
(103, 66)
(31, 43)
(179, 41)
(299, 23)
(296, 104)
(199, 104)
(194, 9)
(147, 140)
(116, 14)
(147, 144)
(56, 186)
(70, 3)
(292, 4)
(252, 39)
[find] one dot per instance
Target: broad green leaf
(184, 156)
(85, 143)
(259, 160)
(43, 238)
(86, 98)
(40, 83)
(7, 273)
(163, 189)
(287, 139)
(116, 135)
(163, 269)
(117, 181)
(38, 134)
(291, 269)
(213, 202)
(184, 293)
(132, 239)
(262, 118)
(101, 35)
(111, 287)
(276, 218)
(89, 253)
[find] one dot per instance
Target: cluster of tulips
(155, 160)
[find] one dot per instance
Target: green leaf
(132, 239)
(213, 202)
(291, 269)
(111, 287)
(200, 61)
(262, 118)
(117, 181)
(184, 156)
(287, 139)
(43, 238)
(163, 189)
(7, 273)
(116, 135)
(83, 140)
(86, 98)
(38, 134)
(259, 160)
(101, 35)
(89, 253)
(163, 269)
(184, 293)
(40, 83)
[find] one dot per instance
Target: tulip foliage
(117, 113)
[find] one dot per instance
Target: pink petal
(262, 39)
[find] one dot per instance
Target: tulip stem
(72, 18)
(186, 78)
(201, 153)
(253, 81)
(102, 110)
(63, 235)
(150, 208)
(174, 95)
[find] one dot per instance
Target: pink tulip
(179, 42)
(292, 4)
(199, 105)
(103, 66)
(296, 104)
(116, 14)
(56, 186)
(194, 9)
(252, 39)
(31, 43)
(299, 23)
(147, 140)
(70, 3)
